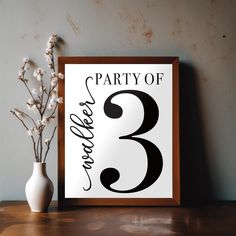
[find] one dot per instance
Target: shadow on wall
(195, 177)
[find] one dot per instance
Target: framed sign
(118, 134)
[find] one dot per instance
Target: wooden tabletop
(16, 219)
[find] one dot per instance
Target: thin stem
(48, 145)
(46, 103)
(23, 123)
(53, 64)
(51, 88)
(41, 146)
(40, 142)
(42, 95)
(37, 149)
(25, 114)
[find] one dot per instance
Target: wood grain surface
(16, 219)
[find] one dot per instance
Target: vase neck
(39, 168)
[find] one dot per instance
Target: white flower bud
(53, 101)
(39, 77)
(18, 112)
(54, 93)
(53, 38)
(51, 119)
(30, 131)
(61, 76)
(60, 100)
(30, 101)
(21, 74)
(48, 51)
(27, 66)
(36, 130)
(35, 73)
(45, 120)
(25, 60)
(46, 141)
(38, 73)
(50, 106)
(42, 88)
(50, 44)
(54, 81)
(34, 108)
(34, 91)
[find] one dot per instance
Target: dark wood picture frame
(175, 200)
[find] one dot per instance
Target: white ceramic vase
(39, 188)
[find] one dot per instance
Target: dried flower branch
(23, 123)
(43, 102)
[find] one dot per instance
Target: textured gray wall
(201, 32)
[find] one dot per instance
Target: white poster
(118, 131)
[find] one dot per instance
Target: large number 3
(154, 157)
